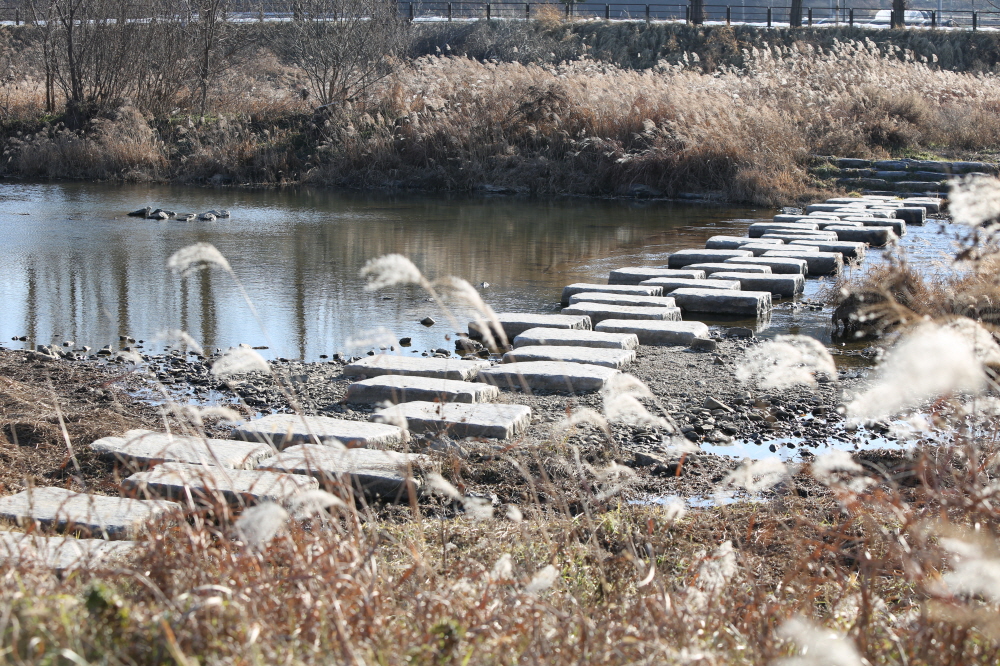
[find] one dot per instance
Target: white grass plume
(197, 416)
(375, 337)
(486, 321)
(240, 360)
(621, 402)
(542, 580)
(579, 417)
(818, 646)
(176, 338)
(308, 503)
(674, 511)
(389, 270)
(975, 199)
(475, 508)
(788, 360)
(838, 470)
(514, 514)
(758, 475)
(131, 357)
(973, 572)
(503, 569)
(928, 362)
(193, 258)
(259, 524)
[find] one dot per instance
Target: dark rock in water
(427, 321)
(142, 212)
(186, 217)
(740, 332)
(704, 344)
(467, 346)
(405, 342)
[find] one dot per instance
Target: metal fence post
(449, 12)
(411, 11)
(768, 17)
(975, 21)
(933, 20)
(850, 17)
(810, 17)
(607, 12)
(687, 14)
(17, 17)
(729, 15)
(567, 10)
(489, 11)
(527, 11)
(647, 13)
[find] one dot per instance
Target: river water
(76, 268)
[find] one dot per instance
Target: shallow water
(76, 268)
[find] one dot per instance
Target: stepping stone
(581, 287)
(175, 480)
(912, 214)
(818, 263)
(816, 235)
(751, 303)
(758, 229)
(657, 332)
(515, 323)
(931, 205)
(623, 299)
(549, 376)
(635, 275)
(823, 207)
(844, 222)
(395, 389)
(780, 265)
(725, 243)
(684, 258)
(669, 284)
(419, 366)
(759, 249)
(380, 474)
(743, 268)
(850, 200)
(610, 358)
(874, 236)
(143, 448)
(849, 250)
(58, 552)
(565, 338)
(493, 421)
(792, 219)
(280, 430)
(94, 515)
(898, 226)
(601, 311)
(783, 285)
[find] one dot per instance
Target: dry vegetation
(549, 109)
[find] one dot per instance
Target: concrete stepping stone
(782, 265)
(758, 229)
(844, 222)
(515, 323)
(670, 284)
(142, 448)
(636, 274)
(759, 249)
(874, 236)
(818, 263)
(414, 366)
(378, 474)
(725, 243)
(683, 258)
(848, 250)
(783, 285)
(281, 430)
(567, 338)
(824, 207)
(549, 376)
(600, 311)
(610, 358)
(750, 303)
(912, 214)
(393, 388)
(623, 299)
(60, 553)
(742, 268)
(657, 332)
(792, 219)
(930, 204)
(898, 226)
(492, 420)
(176, 480)
(815, 235)
(580, 287)
(852, 200)
(93, 515)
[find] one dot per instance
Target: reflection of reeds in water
(848, 564)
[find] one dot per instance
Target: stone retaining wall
(895, 176)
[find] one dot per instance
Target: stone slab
(549, 376)
(930, 204)
(848, 250)
(743, 268)
(600, 311)
(874, 236)
(683, 258)
(58, 552)
(515, 323)
(725, 243)
(657, 332)
(750, 303)
(581, 287)
(375, 473)
(786, 218)
(93, 515)
(788, 237)
(636, 274)
(898, 226)
(851, 200)
(142, 448)
(610, 358)
(783, 285)
(758, 229)
(393, 388)
(281, 430)
(493, 421)
(843, 222)
(759, 249)
(670, 284)
(781, 265)
(415, 366)
(823, 207)
(818, 263)
(205, 484)
(597, 338)
(912, 214)
(624, 299)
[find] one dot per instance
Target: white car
(883, 17)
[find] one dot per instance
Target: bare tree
(697, 12)
(898, 14)
(795, 15)
(344, 46)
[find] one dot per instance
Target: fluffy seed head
(389, 270)
(239, 360)
(788, 360)
(193, 258)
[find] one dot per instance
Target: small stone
(704, 344)
(715, 403)
(427, 321)
(740, 332)
(405, 342)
